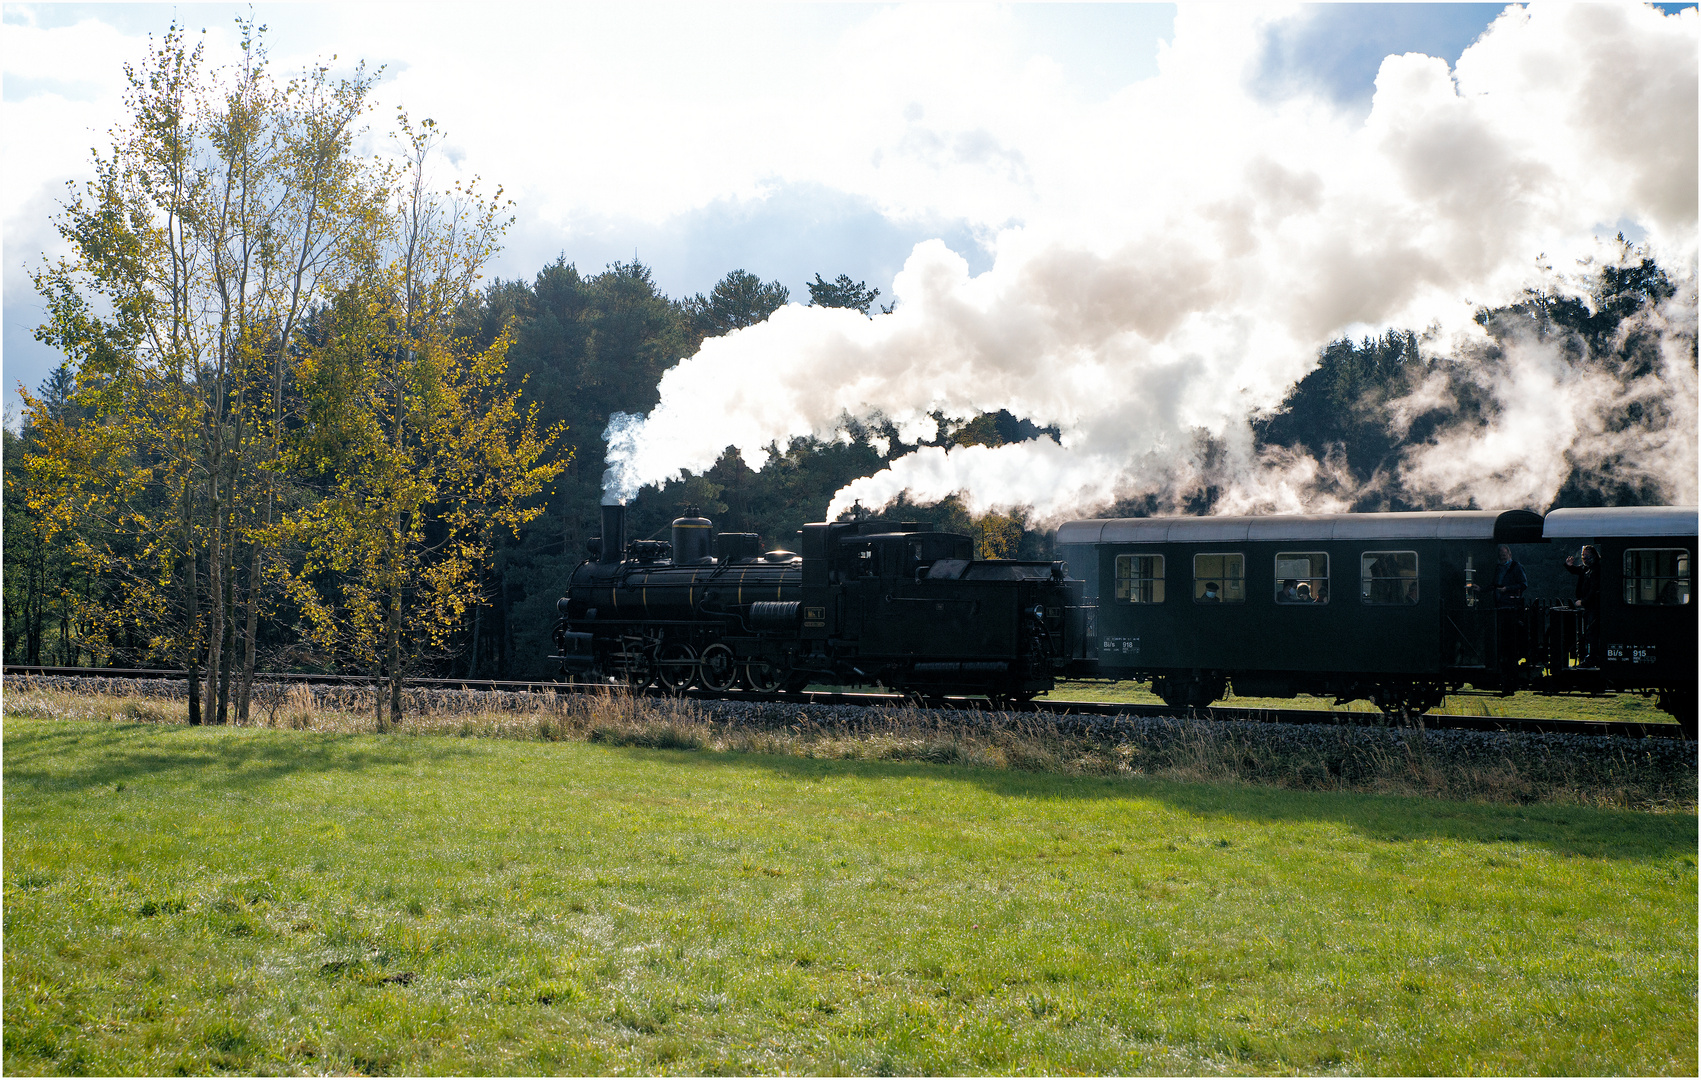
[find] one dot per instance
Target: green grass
(204, 900)
(1628, 708)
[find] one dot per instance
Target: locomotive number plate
(815, 616)
(1120, 646)
(1630, 654)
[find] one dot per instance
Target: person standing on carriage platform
(1509, 585)
(1585, 565)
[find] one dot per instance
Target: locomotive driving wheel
(717, 668)
(794, 681)
(761, 675)
(676, 666)
(635, 667)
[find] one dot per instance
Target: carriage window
(1302, 577)
(1388, 577)
(1219, 579)
(1140, 579)
(1656, 576)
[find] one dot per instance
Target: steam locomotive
(893, 603)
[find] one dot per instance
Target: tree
(227, 206)
(737, 300)
(842, 292)
(419, 450)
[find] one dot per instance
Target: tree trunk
(192, 618)
(245, 689)
(227, 648)
(472, 656)
(215, 595)
(393, 648)
(38, 587)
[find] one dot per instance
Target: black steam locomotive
(896, 604)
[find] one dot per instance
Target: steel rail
(1439, 721)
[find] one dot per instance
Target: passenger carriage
(1395, 607)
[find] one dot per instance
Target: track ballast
(1436, 721)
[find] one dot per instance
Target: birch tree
(226, 207)
(420, 449)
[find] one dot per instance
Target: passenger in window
(1670, 594)
(1289, 593)
(1509, 580)
(1384, 583)
(1304, 595)
(1322, 592)
(1211, 592)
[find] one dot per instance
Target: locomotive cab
(902, 557)
(906, 606)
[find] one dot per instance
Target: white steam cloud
(1188, 248)
(1557, 410)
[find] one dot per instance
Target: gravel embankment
(1343, 751)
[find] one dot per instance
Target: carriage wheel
(1196, 692)
(762, 676)
(1680, 703)
(1408, 698)
(718, 668)
(676, 666)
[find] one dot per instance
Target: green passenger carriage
(1398, 608)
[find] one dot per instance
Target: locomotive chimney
(613, 533)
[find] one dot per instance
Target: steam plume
(1190, 250)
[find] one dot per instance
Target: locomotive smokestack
(613, 533)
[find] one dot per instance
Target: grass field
(202, 900)
(1625, 708)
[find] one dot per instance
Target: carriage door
(1467, 606)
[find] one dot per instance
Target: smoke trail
(1624, 415)
(1187, 256)
(620, 479)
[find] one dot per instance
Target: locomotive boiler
(898, 604)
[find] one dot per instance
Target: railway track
(1529, 725)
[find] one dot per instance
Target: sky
(1135, 224)
(785, 139)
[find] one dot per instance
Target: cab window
(859, 560)
(1140, 579)
(1658, 576)
(1302, 577)
(1219, 578)
(1388, 577)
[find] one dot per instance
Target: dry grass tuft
(1646, 774)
